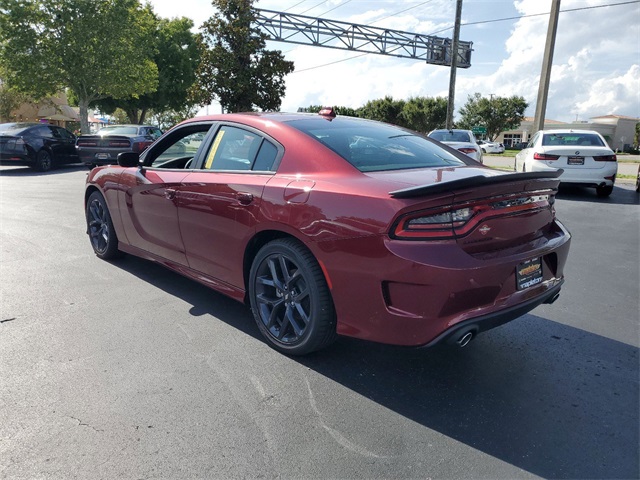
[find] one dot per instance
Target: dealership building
(618, 131)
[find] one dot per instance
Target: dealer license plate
(575, 161)
(529, 273)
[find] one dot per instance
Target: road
(122, 369)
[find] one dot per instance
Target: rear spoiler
(475, 181)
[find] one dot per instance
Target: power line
(317, 5)
(465, 24)
(537, 15)
(337, 6)
(402, 11)
(294, 6)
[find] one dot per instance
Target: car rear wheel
(44, 161)
(100, 228)
(290, 299)
(604, 191)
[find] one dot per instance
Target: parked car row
(43, 146)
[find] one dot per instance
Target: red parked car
(332, 226)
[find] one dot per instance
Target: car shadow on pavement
(29, 172)
(553, 400)
(620, 195)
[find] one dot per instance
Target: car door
(66, 144)
(151, 198)
(219, 204)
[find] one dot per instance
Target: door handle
(169, 194)
(244, 198)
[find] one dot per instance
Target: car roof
(568, 130)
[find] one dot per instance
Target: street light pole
(454, 66)
(547, 61)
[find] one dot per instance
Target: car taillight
(140, 146)
(545, 156)
(119, 144)
(87, 143)
(606, 158)
(467, 150)
(454, 222)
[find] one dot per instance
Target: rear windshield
(374, 147)
(13, 128)
(447, 136)
(572, 139)
(118, 131)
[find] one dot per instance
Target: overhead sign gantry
(321, 32)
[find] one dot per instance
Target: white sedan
(584, 156)
(462, 140)
(491, 147)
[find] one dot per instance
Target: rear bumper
(18, 159)
(492, 320)
(589, 177)
(419, 294)
(96, 157)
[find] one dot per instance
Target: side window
(55, 133)
(178, 150)
(155, 133)
(266, 157)
(43, 132)
(64, 133)
(232, 149)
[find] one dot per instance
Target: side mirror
(128, 159)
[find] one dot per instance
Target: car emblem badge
(577, 152)
(484, 229)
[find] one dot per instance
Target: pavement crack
(8, 320)
(83, 424)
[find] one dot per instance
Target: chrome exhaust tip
(464, 340)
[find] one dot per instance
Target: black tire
(604, 191)
(44, 161)
(102, 235)
(290, 299)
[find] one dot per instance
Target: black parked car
(103, 147)
(37, 145)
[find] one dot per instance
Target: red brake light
(459, 220)
(467, 150)
(606, 158)
(139, 147)
(87, 143)
(545, 156)
(119, 144)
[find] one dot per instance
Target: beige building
(618, 130)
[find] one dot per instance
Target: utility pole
(547, 61)
(454, 66)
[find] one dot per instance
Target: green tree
(177, 58)
(424, 114)
(168, 118)
(10, 100)
(497, 114)
(384, 110)
(236, 68)
(97, 49)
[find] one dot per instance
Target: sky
(596, 61)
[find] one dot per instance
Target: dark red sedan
(333, 226)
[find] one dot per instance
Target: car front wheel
(100, 228)
(290, 299)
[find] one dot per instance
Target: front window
(371, 146)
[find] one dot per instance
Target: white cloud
(595, 68)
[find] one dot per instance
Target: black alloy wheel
(100, 228)
(44, 161)
(290, 299)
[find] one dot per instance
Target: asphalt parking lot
(126, 370)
